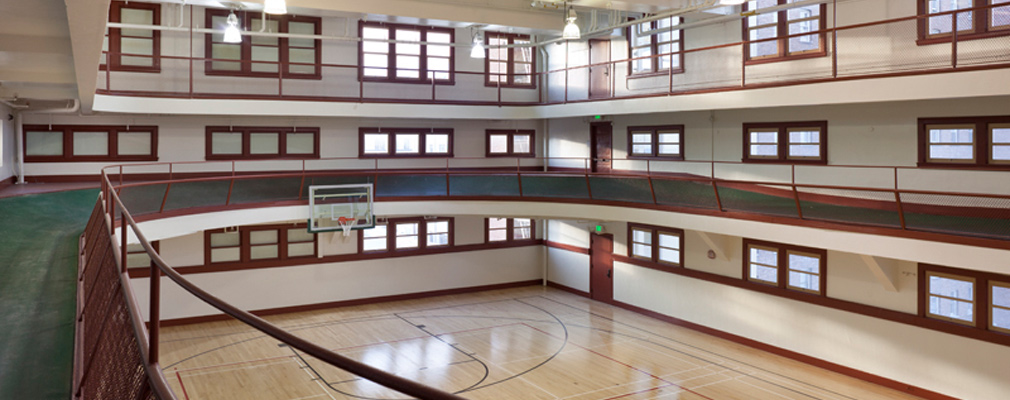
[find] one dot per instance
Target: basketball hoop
(347, 224)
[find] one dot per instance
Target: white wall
(7, 150)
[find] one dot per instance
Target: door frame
(592, 275)
(609, 69)
(593, 156)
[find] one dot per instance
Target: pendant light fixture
(275, 7)
(231, 32)
(731, 2)
(572, 31)
(477, 51)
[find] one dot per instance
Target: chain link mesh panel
(886, 48)
(983, 216)
(850, 206)
(684, 193)
(760, 199)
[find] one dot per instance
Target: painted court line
(182, 385)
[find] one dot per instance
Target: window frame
(245, 245)
(1004, 283)
(510, 231)
(983, 306)
(981, 140)
(247, 131)
(654, 131)
(112, 154)
(391, 142)
(782, 37)
(654, 232)
(783, 129)
(422, 235)
(246, 62)
(509, 61)
(423, 76)
(783, 252)
(114, 36)
(654, 69)
(511, 134)
(981, 20)
(973, 302)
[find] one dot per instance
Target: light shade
(731, 2)
(477, 51)
(572, 31)
(275, 7)
(231, 32)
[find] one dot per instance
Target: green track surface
(38, 267)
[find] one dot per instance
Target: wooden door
(602, 146)
(601, 268)
(599, 77)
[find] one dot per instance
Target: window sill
(513, 155)
(784, 162)
(122, 68)
(267, 75)
(657, 158)
(211, 157)
(963, 166)
(370, 156)
(60, 159)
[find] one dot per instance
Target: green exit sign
(599, 228)
(597, 117)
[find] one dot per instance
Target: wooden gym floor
(524, 344)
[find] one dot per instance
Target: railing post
(122, 240)
(834, 39)
(953, 41)
(191, 51)
(901, 210)
(718, 201)
(164, 200)
(155, 314)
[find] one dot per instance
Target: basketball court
(526, 343)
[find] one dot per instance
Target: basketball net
(346, 224)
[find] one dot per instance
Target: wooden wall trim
(569, 289)
(354, 302)
(566, 247)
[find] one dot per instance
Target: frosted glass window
(374, 239)
(224, 254)
(952, 143)
(522, 229)
(436, 143)
(137, 46)
(498, 144)
(43, 143)
(376, 143)
(804, 143)
(406, 235)
(764, 143)
(263, 252)
(226, 143)
(438, 233)
(133, 143)
(641, 243)
(300, 143)
(225, 247)
(264, 143)
(943, 24)
(763, 264)
(669, 248)
(91, 143)
(497, 229)
(669, 143)
(951, 297)
(1000, 140)
(521, 144)
(301, 243)
(263, 237)
(224, 239)
(408, 143)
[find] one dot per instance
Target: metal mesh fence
(850, 206)
(759, 199)
(555, 186)
(971, 215)
(483, 185)
(635, 190)
(888, 48)
(684, 193)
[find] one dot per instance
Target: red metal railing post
(122, 240)
(164, 200)
(191, 51)
(120, 174)
(953, 42)
(834, 39)
(718, 201)
(155, 314)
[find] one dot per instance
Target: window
(788, 142)
(137, 257)
(246, 142)
(72, 143)
(407, 234)
(778, 36)
(404, 142)
(967, 142)
(973, 299)
(999, 312)
(509, 229)
(506, 143)
(951, 297)
(649, 39)
(133, 50)
(656, 244)
(972, 23)
(509, 66)
(666, 142)
(264, 56)
(385, 61)
(785, 266)
(259, 243)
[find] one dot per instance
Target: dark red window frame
(983, 144)
(510, 72)
(391, 144)
(783, 142)
(247, 130)
(422, 236)
(980, 29)
(654, 258)
(282, 46)
(115, 37)
(510, 133)
(245, 246)
(391, 62)
(654, 46)
(510, 231)
(983, 302)
(783, 38)
(654, 131)
(113, 130)
(783, 265)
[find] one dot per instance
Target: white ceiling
(35, 51)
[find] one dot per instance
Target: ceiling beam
(86, 19)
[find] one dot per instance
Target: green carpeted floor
(38, 267)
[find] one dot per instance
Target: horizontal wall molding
(566, 247)
(355, 302)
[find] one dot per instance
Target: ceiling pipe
(73, 106)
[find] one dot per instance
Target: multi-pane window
(509, 66)
(651, 44)
(510, 143)
(951, 297)
(780, 35)
(974, 141)
(792, 142)
(980, 18)
(785, 266)
(264, 56)
(975, 299)
(509, 229)
(407, 234)
(137, 257)
(130, 49)
(405, 142)
(69, 143)
(259, 243)
(999, 310)
(245, 142)
(395, 53)
(656, 141)
(656, 244)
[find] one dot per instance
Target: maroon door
(599, 76)
(601, 267)
(602, 146)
